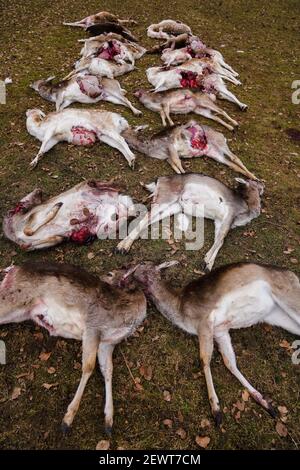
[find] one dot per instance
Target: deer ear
(242, 181)
(166, 264)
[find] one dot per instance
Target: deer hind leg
(115, 140)
(216, 109)
(158, 212)
(209, 115)
(206, 345)
(105, 353)
(243, 169)
(90, 343)
(227, 95)
(163, 116)
(221, 230)
(228, 355)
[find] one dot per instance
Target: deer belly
(244, 307)
(58, 319)
(83, 136)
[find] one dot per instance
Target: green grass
(35, 44)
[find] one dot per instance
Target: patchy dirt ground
(261, 40)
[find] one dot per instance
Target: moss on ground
(34, 45)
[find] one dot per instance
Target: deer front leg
(228, 355)
(163, 117)
(166, 109)
(51, 214)
(90, 342)
(242, 168)
(105, 353)
(221, 230)
(174, 159)
(206, 345)
(49, 141)
(158, 212)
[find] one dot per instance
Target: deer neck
(252, 210)
(166, 299)
(131, 137)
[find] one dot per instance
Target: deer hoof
(272, 412)
(218, 417)
(108, 430)
(65, 428)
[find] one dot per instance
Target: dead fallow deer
(230, 297)
(193, 48)
(77, 127)
(108, 48)
(184, 102)
(197, 66)
(211, 83)
(189, 140)
(179, 194)
(99, 18)
(100, 67)
(89, 210)
(167, 29)
(70, 302)
(83, 89)
(109, 27)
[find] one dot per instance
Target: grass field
(260, 39)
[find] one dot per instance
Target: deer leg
(227, 95)
(121, 99)
(105, 353)
(166, 108)
(115, 140)
(163, 117)
(209, 115)
(238, 162)
(206, 345)
(51, 214)
(174, 160)
(90, 343)
(216, 109)
(221, 230)
(158, 212)
(48, 142)
(228, 355)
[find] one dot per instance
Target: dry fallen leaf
(167, 395)
(44, 356)
(49, 386)
(51, 370)
(281, 429)
(202, 441)
(146, 372)
(181, 433)
(103, 445)
(240, 405)
(168, 423)
(15, 393)
(180, 417)
(205, 423)
(245, 395)
(283, 410)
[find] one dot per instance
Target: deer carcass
(228, 208)
(78, 127)
(231, 297)
(89, 210)
(188, 140)
(99, 18)
(167, 29)
(70, 302)
(82, 89)
(211, 83)
(183, 102)
(112, 49)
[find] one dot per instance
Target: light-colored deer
(226, 207)
(189, 140)
(234, 296)
(184, 102)
(70, 302)
(78, 127)
(167, 29)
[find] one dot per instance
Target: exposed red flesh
(82, 136)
